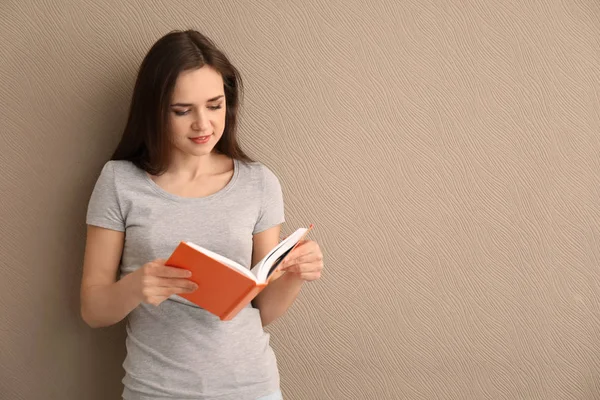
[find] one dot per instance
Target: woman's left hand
(305, 261)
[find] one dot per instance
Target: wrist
(130, 289)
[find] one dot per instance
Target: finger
(190, 289)
(300, 248)
(166, 291)
(157, 263)
(293, 258)
(304, 259)
(176, 283)
(303, 268)
(179, 290)
(311, 276)
(170, 272)
(303, 247)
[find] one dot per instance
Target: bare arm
(104, 302)
(104, 299)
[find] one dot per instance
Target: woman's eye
(181, 113)
(218, 107)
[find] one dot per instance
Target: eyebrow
(190, 104)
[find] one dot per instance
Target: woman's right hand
(154, 282)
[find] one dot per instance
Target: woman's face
(197, 111)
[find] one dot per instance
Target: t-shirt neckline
(162, 192)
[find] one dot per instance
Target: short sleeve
(272, 207)
(103, 208)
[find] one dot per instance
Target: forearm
(276, 298)
(105, 305)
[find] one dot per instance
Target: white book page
(230, 263)
(262, 268)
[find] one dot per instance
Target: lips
(200, 139)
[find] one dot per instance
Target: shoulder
(258, 174)
(120, 170)
(118, 178)
(121, 167)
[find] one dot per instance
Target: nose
(200, 123)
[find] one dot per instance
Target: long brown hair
(145, 140)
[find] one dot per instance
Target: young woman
(177, 174)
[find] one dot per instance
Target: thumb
(302, 242)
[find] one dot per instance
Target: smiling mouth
(201, 139)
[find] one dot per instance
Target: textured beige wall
(447, 151)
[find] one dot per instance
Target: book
(224, 286)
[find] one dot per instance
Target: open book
(224, 286)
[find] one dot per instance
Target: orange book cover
(224, 286)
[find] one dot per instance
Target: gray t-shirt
(178, 350)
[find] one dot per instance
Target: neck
(191, 167)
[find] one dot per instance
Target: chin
(200, 152)
(193, 152)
